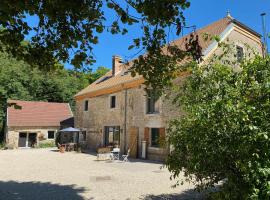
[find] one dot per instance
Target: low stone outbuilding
(29, 122)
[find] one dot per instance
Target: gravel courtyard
(41, 174)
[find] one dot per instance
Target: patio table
(115, 154)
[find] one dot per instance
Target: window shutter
(162, 137)
(146, 134)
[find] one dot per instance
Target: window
(239, 53)
(155, 136)
(152, 103)
(112, 135)
(50, 134)
(113, 102)
(83, 135)
(86, 105)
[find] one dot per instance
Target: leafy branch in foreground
(224, 137)
(66, 31)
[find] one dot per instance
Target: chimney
(116, 63)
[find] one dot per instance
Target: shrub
(46, 144)
(225, 133)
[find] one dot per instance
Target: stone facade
(12, 135)
(100, 115)
(130, 110)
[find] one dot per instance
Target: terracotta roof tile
(37, 114)
(108, 81)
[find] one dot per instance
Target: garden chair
(115, 154)
(125, 157)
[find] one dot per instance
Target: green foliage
(97, 74)
(46, 144)
(64, 25)
(225, 133)
(22, 82)
(74, 26)
(2, 145)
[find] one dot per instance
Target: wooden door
(133, 141)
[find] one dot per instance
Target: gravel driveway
(41, 174)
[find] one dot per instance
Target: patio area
(47, 174)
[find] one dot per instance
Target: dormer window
(239, 53)
(86, 105)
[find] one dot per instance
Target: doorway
(112, 135)
(32, 139)
(27, 139)
(22, 139)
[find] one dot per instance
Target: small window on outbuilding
(50, 134)
(112, 101)
(239, 53)
(86, 105)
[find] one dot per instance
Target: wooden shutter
(146, 134)
(162, 137)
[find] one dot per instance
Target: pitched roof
(109, 81)
(37, 114)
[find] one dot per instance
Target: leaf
(130, 47)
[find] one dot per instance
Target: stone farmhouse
(30, 123)
(115, 109)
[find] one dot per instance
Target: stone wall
(100, 114)
(12, 136)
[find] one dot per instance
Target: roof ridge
(37, 101)
(215, 28)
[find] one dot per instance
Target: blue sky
(200, 14)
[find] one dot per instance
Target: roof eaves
(108, 87)
(246, 27)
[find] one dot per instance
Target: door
(32, 139)
(112, 135)
(133, 141)
(22, 139)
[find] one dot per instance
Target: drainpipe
(125, 123)
(3, 131)
(265, 47)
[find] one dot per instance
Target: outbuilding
(30, 122)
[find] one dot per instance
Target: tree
(22, 82)
(224, 136)
(73, 26)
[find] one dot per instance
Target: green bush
(46, 144)
(225, 133)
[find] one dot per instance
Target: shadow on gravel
(186, 195)
(12, 190)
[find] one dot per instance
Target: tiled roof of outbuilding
(37, 114)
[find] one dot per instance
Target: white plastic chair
(125, 157)
(115, 154)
